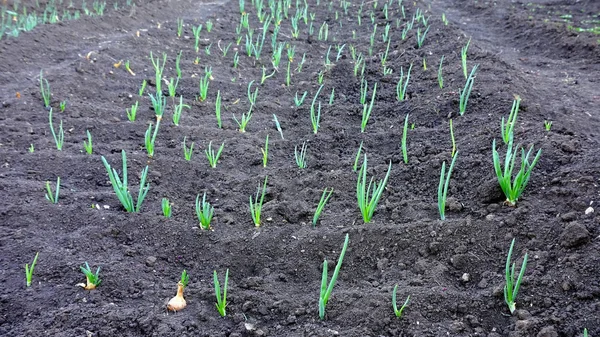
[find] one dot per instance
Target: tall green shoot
(326, 289)
(368, 195)
(511, 287)
(443, 187)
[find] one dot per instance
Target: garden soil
(453, 270)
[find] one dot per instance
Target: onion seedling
(463, 57)
(332, 96)
(355, 166)
(236, 60)
(243, 122)
(172, 86)
(300, 156)
(278, 126)
(367, 111)
(402, 84)
(142, 88)
(398, 312)
(29, 270)
(548, 125)
(466, 92)
(452, 138)
(31, 148)
(166, 207)
(507, 128)
(256, 206)
(403, 144)
(60, 138)
(511, 288)
(179, 26)
(204, 212)
(177, 111)
(421, 38)
(158, 70)
(322, 202)
(207, 49)
(45, 90)
(131, 113)
(299, 68)
(440, 76)
(203, 85)
(92, 279)
(325, 288)
(221, 299)
(265, 76)
(178, 303)
(87, 145)
(585, 332)
(252, 95)
(265, 152)
(368, 196)
(298, 101)
(62, 105)
(196, 31)
(443, 187)
(128, 68)
(211, 156)
(53, 198)
(187, 152)
(218, 109)
(122, 188)
(513, 190)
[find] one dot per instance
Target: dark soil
(453, 269)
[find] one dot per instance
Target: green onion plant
(403, 144)
(463, 57)
(53, 197)
(178, 109)
(322, 202)
(256, 206)
(367, 109)
(218, 109)
(513, 188)
(357, 157)
(300, 156)
(187, 152)
(211, 156)
(440, 76)
(92, 278)
(403, 84)
(204, 212)
(512, 285)
(166, 207)
(278, 126)
(158, 70)
(29, 270)
(466, 92)
(368, 196)
(121, 187)
(221, 299)
(131, 113)
(45, 90)
(326, 289)
(398, 312)
(60, 138)
(265, 152)
(87, 145)
(443, 186)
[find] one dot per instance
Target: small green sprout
(53, 198)
(203, 85)
(213, 158)
(265, 76)
(45, 90)
(265, 152)
(178, 109)
(177, 66)
(397, 311)
(128, 68)
(252, 95)
(221, 300)
(209, 26)
(187, 152)
(315, 114)
(196, 31)
(322, 202)
(367, 109)
(300, 156)
(325, 288)
(256, 206)
(443, 187)
(402, 84)
(451, 138)
(513, 189)
(421, 38)
(122, 188)
(218, 109)
(166, 207)
(511, 288)
(403, 144)
(131, 113)
(60, 138)
(92, 279)
(243, 122)
(179, 27)
(585, 332)
(466, 92)
(463, 57)
(368, 197)
(172, 86)
(440, 75)
(31, 148)
(548, 125)
(507, 128)
(204, 212)
(278, 126)
(298, 101)
(29, 270)
(158, 70)
(87, 145)
(62, 105)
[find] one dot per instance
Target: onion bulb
(177, 303)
